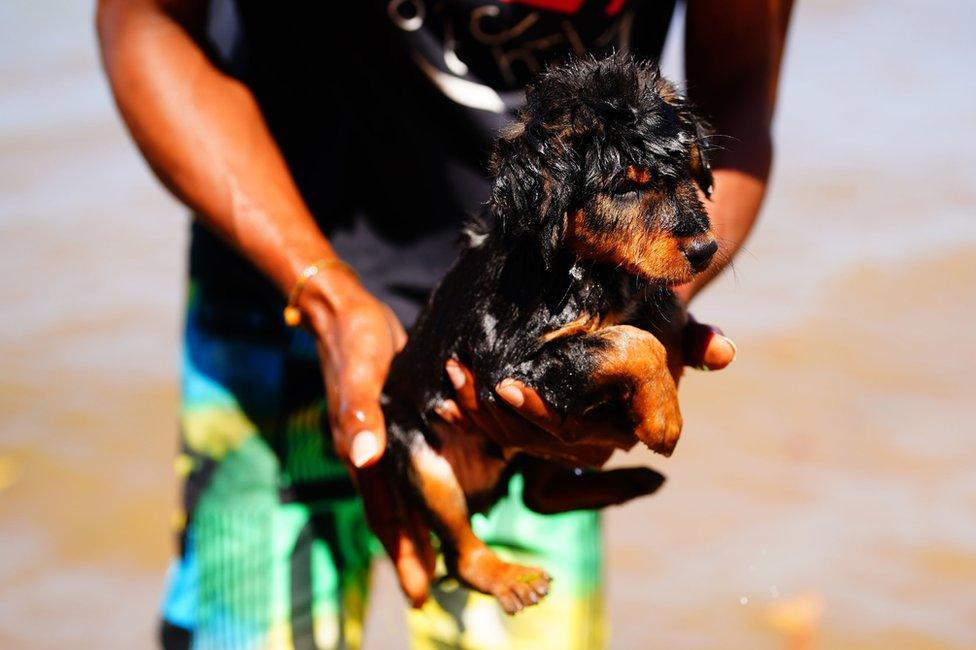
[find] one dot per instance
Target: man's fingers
(411, 572)
(467, 411)
(603, 433)
(466, 397)
(402, 545)
(361, 435)
(510, 429)
(527, 402)
(706, 348)
(463, 382)
(420, 534)
(355, 416)
(450, 412)
(528, 427)
(415, 561)
(720, 352)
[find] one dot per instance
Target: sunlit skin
(202, 133)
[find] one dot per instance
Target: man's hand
(357, 337)
(538, 429)
(705, 347)
(203, 133)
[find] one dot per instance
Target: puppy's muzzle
(699, 251)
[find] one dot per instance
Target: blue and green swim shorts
(274, 549)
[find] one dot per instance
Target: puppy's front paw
(635, 361)
(655, 409)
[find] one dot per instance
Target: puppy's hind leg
(550, 488)
(514, 586)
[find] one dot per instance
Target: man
(302, 133)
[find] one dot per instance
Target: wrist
(329, 293)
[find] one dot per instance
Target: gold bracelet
(293, 317)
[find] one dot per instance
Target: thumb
(359, 429)
(705, 346)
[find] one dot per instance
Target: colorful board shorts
(274, 547)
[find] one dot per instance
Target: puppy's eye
(635, 180)
(627, 189)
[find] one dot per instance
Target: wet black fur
(515, 280)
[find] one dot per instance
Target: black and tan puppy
(563, 284)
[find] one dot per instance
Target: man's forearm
(741, 160)
(733, 56)
(203, 134)
(733, 210)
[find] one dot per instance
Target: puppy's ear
(553, 214)
(698, 163)
(532, 189)
(700, 131)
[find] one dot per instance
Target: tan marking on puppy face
(647, 252)
(638, 175)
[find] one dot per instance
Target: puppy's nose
(700, 252)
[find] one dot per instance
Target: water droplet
(743, 601)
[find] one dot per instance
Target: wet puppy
(564, 283)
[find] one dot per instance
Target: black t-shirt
(385, 111)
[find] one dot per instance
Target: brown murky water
(824, 494)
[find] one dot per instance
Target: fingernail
(444, 414)
(364, 448)
(455, 374)
(735, 350)
(511, 394)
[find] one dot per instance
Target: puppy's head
(607, 160)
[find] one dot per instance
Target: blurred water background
(824, 488)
